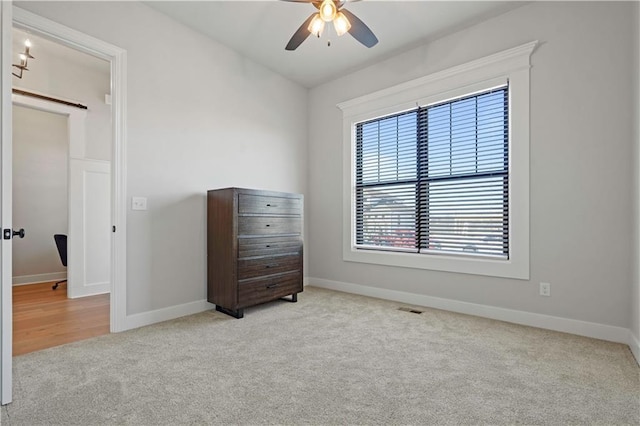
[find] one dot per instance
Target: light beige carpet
(331, 358)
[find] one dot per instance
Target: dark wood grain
(267, 265)
(221, 248)
(254, 247)
(268, 246)
(261, 290)
(269, 225)
(268, 205)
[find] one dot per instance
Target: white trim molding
(634, 345)
(486, 68)
(118, 59)
(39, 278)
(166, 314)
(548, 322)
(510, 67)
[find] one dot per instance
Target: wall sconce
(24, 58)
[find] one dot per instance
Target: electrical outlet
(138, 203)
(545, 289)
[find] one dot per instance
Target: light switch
(138, 203)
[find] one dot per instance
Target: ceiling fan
(343, 22)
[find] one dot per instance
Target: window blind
(436, 179)
(386, 179)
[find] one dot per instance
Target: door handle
(7, 234)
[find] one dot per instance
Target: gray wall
(581, 166)
(199, 116)
(40, 151)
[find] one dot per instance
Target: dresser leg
(239, 313)
(294, 298)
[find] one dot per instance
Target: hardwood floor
(43, 318)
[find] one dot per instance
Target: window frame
(510, 67)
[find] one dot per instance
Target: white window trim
(510, 66)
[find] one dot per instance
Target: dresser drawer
(258, 225)
(261, 266)
(262, 290)
(268, 246)
(262, 204)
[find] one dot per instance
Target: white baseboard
(39, 278)
(171, 312)
(166, 314)
(634, 345)
(566, 325)
(88, 290)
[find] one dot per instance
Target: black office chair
(61, 243)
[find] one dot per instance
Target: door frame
(15, 17)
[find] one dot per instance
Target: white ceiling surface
(47, 48)
(261, 29)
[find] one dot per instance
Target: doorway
(61, 189)
(13, 16)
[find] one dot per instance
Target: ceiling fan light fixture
(341, 24)
(343, 21)
(316, 26)
(328, 10)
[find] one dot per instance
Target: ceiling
(261, 29)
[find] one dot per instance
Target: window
(436, 170)
(435, 179)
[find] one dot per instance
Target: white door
(5, 202)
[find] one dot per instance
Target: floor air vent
(413, 311)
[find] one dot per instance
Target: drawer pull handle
(273, 265)
(272, 205)
(272, 285)
(268, 225)
(268, 245)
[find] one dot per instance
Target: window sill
(445, 263)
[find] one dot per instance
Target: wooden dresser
(254, 248)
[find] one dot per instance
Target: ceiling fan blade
(300, 35)
(359, 30)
